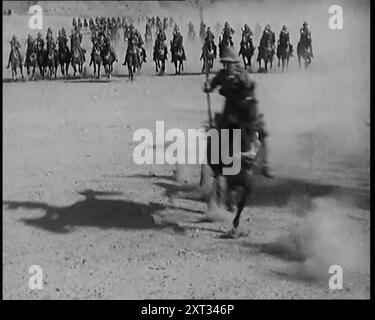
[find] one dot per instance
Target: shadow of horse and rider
(95, 211)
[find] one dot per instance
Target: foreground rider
(14, 45)
(240, 109)
(305, 37)
(177, 41)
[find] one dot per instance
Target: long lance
(206, 72)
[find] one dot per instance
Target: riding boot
(311, 52)
(183, 54)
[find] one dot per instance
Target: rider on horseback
(62, 36)
(177, 42)
(247, 37)
(284, 38)
(107, 43)
(75, 42)
(139, 42)
(305, 37)
(240, 109)
(39, 41)
(210, 39)
(49, 40)
(14, 45)
(268, 35)
(159, 42)
(132, 39)
(228, 33)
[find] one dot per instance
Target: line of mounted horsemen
(48, 54)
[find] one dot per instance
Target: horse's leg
(299, 61)
(240, 206)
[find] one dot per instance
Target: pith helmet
(229, 55)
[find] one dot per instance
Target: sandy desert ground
(102, 227)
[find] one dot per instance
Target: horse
(148, 38)
(265, 54)
(160, 55)
(96, 57)
(132, 59)
(63, 56)
(283, 52)
(31, 59)
(41, 53)
(77, 60)
(177, 57)
(247, 50)
(223, 43)
(191, 33)
(303, 52)
(51, 60)
(202, 31)
(224, 186)
(16, 62)
(208, 55)
(107, 58)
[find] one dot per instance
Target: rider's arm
(216, 81)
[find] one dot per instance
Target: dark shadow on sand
(94, 212)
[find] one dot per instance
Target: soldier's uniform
(39, 41)
(140, 44)
(177, 41)
(284, 34)
(305, 37)
(210, 38)
(227, 33)
(240, 109)
(247, 36)
(14, 45)
(49, 39)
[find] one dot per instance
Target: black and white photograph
(186, 150)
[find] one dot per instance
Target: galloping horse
(148, 37)
(41, 54)
(96, 57)
(208, 55)
(16, 62)
(51, 59)
(77, 59)
(223, 185)
(247, 50)
(191, 32)
(132, 59)
(177, 56)
(304, 52)
(265, 54)
(63, 56)
(283, 52)
(107, 58)
(223, 43)
(160, 55)
(31, 58)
